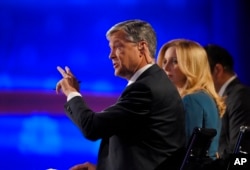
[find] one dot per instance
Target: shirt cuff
(73, 94)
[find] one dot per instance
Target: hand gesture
(68, 83)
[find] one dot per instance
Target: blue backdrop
(36, 36)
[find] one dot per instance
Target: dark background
(36, 36)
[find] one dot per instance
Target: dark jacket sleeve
(238, 110)
(122, 117)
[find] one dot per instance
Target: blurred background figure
(236, 94)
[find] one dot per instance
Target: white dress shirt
(224, 86)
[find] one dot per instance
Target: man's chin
(118, 74)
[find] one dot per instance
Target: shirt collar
(224, 86)
(138, 73)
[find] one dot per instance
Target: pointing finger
(68, 71)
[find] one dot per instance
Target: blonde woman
(186, 64)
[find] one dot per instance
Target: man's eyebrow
(115, 43)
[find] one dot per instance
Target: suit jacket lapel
(230, 86)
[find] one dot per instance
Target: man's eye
(116, 47)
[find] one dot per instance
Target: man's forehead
(118, 35)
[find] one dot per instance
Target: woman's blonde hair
(193, 63)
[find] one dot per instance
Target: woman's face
(170, 65)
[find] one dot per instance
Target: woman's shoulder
(198, 94)
(203, 100)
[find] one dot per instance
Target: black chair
(197, 149)
(241, 149)
(242, 145)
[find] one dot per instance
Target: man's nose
(112, 55)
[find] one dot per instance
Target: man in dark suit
(237, 98)
(145, 127)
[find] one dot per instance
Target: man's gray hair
(137, 30)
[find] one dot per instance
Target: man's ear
(141, 45)
(218, 70)
(143, 48)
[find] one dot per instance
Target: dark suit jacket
(144, 128)
(237, 114)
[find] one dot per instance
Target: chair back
(198, 145)
(243, 141)
(242, 145)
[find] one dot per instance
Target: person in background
(186, 64)
(237, 98)
(146, 126)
